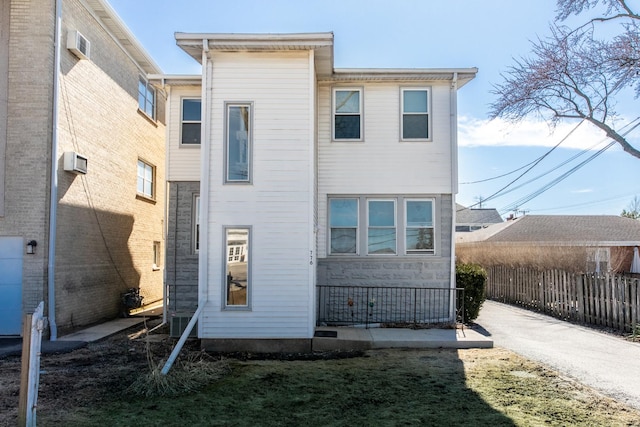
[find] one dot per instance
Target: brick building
(79, 125)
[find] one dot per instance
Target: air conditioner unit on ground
(78, 44)
(74, 162)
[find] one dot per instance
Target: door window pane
(237, 267)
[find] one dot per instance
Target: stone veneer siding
(182, 260)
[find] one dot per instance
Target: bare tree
(572, 74)
(633, 209)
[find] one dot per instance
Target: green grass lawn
(491, 387)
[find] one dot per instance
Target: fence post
(30, 374)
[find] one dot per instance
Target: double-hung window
(381, 233)
(146, 98)
(343, 226)
(238, 143)
(191, 121)
(419, 226)
(347, 114)
(415, 114)
(146, 174)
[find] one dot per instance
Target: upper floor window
(146, 174)
(415, 114)
(347, 114)
(238, 143)
(191, 121)
(343, 226)
(419, 226)
(146, 98)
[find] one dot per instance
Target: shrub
(472, 278)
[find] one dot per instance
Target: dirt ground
(85, 376)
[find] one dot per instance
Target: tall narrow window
(196, 224)
(381, 236)
(347, 114)
(191, 121)
(238, 143)
(157, 255)
(415, 114)
(146, 98)
(419, 226)
(343, 226)
(237, 267)
(145, 179)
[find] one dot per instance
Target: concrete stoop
(352, 338)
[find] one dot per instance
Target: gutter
(53, 196)
(205, 148)
(453, 105)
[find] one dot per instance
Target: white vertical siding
(381, 163)
(276, 205)
(184, 161)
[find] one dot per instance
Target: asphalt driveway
(605, 362)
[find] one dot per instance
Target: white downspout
(203, 251)
(453, 105)
(53, 196)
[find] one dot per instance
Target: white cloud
(474, 132)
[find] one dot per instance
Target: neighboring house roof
(477, 216)
(569, 230)
(119, 30)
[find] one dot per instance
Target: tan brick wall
(105, 233)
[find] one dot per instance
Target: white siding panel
(276, 205)
(184, 162)
(381, 163)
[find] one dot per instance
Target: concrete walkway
(605, 362)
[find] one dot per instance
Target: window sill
(145, 198)
(155, 268)
(189, 146)
(148, 117)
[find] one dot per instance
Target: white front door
(11, 250)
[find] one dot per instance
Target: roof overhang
(461, 75)
(162, 80)
(121, 33)
(320, 43)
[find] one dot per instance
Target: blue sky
(486, 34)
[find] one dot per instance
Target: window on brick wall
(146, 177)
(196, 224)
(157, 255)
(146, 98)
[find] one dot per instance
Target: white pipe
(53, 196)
(454, 185)
(203, 280)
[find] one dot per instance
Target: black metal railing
(363, 305)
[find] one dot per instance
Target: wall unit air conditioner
(74, 162)
(78, 44)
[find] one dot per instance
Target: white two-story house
(299, 194)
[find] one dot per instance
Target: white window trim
(333, 113)
(433, 226)
(362, 232)
(152, 196)
(429, 126)
(157, 255)
(395, 224)
(249, 180)
(225, 255)
(357, 199)
(195, 235)
(183, 121)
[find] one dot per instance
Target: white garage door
(10, 285)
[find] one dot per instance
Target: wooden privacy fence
(605, 300)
